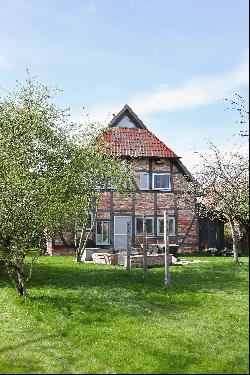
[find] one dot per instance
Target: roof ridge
(162, 142)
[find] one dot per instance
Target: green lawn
(86, 319)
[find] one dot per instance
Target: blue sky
(171, 61)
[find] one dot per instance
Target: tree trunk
(16, 275)
(22, 289)
(80, 246)
(78, 257)
(83, 241)
(234, 236)
(247, 242)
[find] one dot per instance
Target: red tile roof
(136, 143)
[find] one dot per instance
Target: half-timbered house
(159, 179)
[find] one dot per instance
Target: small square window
(144, 181)
(149, 226)
(161, 181)
(160, 226)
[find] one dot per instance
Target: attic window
(126, 123)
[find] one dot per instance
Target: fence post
(129, 244)
(166, 243)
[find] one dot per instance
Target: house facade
(159, 179)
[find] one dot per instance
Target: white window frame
(103, 222)
(147, 174)
(161, 174)
(171, 234)
(147, 234)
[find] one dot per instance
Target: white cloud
(197, 92)
(200, 91)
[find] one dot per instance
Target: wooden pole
(166, 243)
(129, 244)
(145, 259)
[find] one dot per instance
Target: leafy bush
(228, 240)
(2, 266)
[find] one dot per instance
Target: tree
(50, 172)
(221, 190)
(238, 104)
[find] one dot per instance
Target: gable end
(132, 117)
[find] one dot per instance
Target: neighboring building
(159, 178)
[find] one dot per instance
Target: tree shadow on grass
(203, 277)
(21, 365)
(99, 292)
(24, 357)
(23, 344)
(212, 276)
(165, 359)
(80, 295)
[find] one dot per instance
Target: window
(89, 222)
(160, 226)
(102, 232)
(144, 181)
(149, 226)
(126, 123)
(161, 181)
(58, 240)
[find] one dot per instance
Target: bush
(2, 266)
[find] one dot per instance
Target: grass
(94, 319)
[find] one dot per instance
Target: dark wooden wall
(211, 233)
